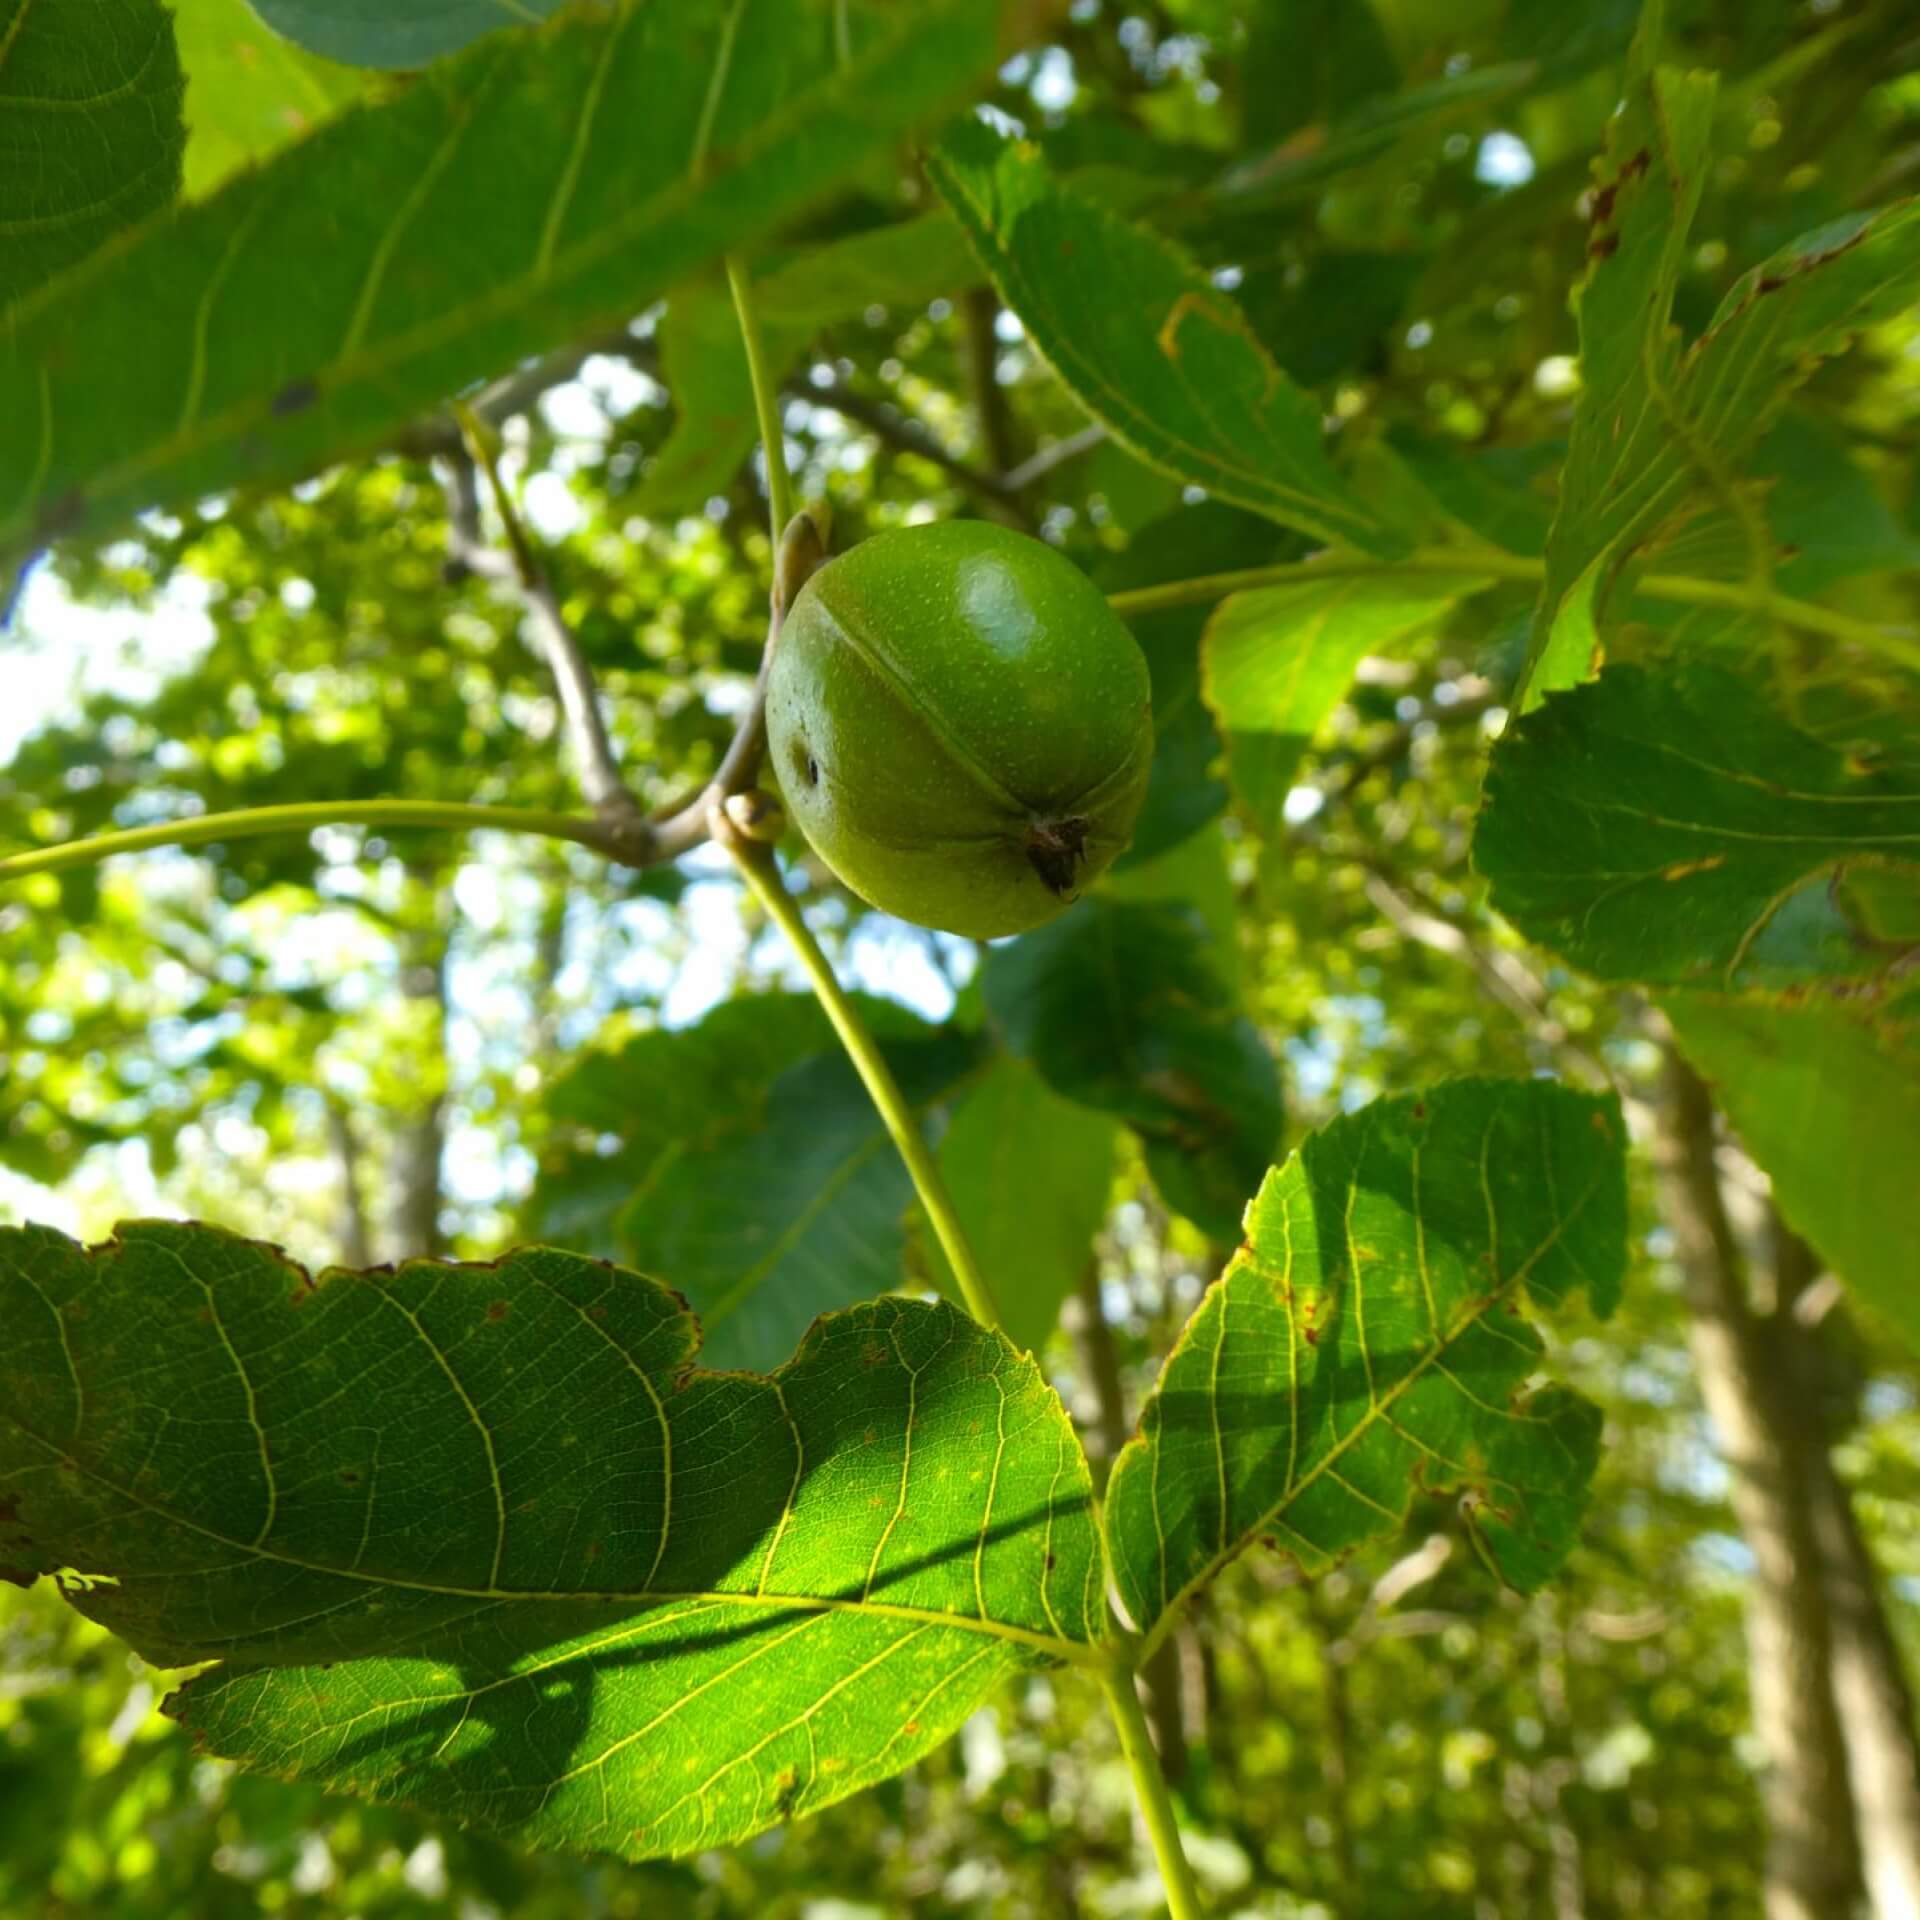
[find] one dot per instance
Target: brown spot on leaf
(497, 1309)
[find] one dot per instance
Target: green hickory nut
(961, 726)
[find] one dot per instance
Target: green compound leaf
(1275, 663)
(90, 130)
(1147, 343)
(1664, 430)
(1671, 828)
(510, 199)
(1368, 1339)
(377, 33)
(1123, 1008)
(484, 1541)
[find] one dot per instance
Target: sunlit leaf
(1276, 661)
(1663, 428)
(1369, 1339)
(249, 92)
(485, 1541)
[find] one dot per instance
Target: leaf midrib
(1377, 1410)
(1075, 1652)
(349, 370)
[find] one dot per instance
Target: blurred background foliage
(360, 1046)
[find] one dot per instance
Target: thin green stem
(766, 401)
(252, 822)
(756, 862)
(1678, 589)
(1150, 1789)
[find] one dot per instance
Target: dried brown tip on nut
(1055, 850)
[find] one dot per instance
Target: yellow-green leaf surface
(512, 198)
(249, 92)
(1368, 1339)
(1274, 664)
(90, 129)
(1664, 429)
(485, 1541)
(1147, 343)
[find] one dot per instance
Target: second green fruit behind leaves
(961, 726)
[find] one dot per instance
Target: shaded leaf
(1157, 353)
(1368, 1339)
(796, 1208)
(1275, 663)
(500, 205)
(1123, 1009)
(1309, 63)
(376, 33)
(90, 131)
(482, 1539)
(619, 1109)
(1671, 828)
(1030, 1174)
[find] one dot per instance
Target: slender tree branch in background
(1057, 455)
(901, 431)
(1812, 1847)
(595, 764)
(980, 343)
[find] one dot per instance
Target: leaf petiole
(1150, 1789)
(305, 817)
(1676, 588)
(756, 863)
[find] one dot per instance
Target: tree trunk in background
(420, 1144)
(1812, 1855)
(1870, 1687)
(356, 1242)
